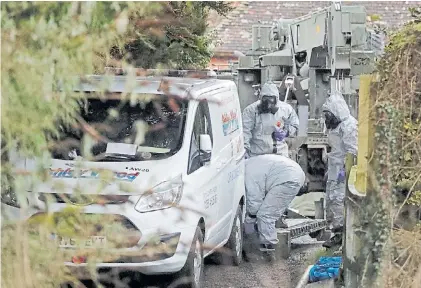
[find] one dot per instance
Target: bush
(390, 258)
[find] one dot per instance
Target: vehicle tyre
(232, 252)
(235, 242)
(191, 275)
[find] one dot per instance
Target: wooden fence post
(357, 184)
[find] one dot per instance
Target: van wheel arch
(188, 276)
(226, 255)
(242, 206)
(202, 226)
(242, 201)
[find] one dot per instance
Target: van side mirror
(205, 147)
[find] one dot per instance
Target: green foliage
(415, 13)
(44, 44)
(322, 252)
(395, 163)
(415, 198)
(375, 17)
(373, 230)
(46, 47)
(399, 108)
(182, 44)
(30, 262)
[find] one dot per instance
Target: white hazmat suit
(259, 126)
(342, 139)
(272, 182)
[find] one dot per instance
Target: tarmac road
(281, 274)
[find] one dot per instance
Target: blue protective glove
(280, 134)
(341, 175)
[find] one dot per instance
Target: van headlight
(164, 195)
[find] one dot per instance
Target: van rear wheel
(191, 275)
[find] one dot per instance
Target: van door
(223, 157)
(233, 177)
(204, 175)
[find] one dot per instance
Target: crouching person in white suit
(272, 182)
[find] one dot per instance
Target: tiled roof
(234, 31)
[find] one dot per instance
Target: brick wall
(234, 31)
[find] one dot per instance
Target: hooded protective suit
(272, 182)
(342, 139)
(259, 126)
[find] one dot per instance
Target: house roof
(234, 32)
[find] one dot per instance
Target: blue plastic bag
(325, 268)
(330, 261)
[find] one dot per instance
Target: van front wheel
(191, 275)
(235, 242)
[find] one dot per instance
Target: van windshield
(146, 130)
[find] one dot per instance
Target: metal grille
(101, 218)
(305, 227)
(90, 199)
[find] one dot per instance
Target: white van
(196, 162)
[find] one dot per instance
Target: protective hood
(269, 89)
(337, 105)
(269, 98)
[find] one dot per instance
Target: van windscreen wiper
(119, 157)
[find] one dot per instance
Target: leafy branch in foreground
(46, 48)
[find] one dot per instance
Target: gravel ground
(281, 274)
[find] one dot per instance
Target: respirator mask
(331, 120)
(268, 104)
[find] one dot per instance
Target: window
(163, 139)
(202, 125)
